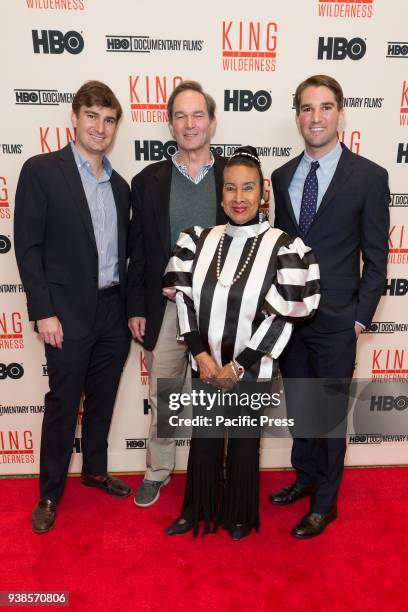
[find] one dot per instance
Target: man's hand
(358, 329)
(137, 326)
(207, 366)
(51, 332)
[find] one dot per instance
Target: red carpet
(111, 555)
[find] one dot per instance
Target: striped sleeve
(271, 337)
(295, 294)
(178, 278)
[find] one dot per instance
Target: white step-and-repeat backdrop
(250, 57)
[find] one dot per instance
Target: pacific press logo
(11, 330)
(147, 44)
(16, 446)
(346, 9)
(339, 48)
(55, 42)
(42, 97)
(397, 245)
(149, 95)
(249, 46)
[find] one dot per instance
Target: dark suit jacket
(150, 244)
(352, 220)
(55, 241)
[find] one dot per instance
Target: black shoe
(313, 524)
(239, 532)
(290, 494)
(177, 528)
(43, 516)
(111, 486)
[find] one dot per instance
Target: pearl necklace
(244, 265)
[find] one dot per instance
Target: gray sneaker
(148, 492)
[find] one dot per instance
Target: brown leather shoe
(111, 486)
(313, 524)
(290, 494)
(43, 516)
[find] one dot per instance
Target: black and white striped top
(279, 285)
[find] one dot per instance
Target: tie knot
(314, 166)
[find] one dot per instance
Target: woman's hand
(207, 366)
(227, 377)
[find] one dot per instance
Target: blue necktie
(309, 200)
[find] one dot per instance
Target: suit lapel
(340, 176)
(289, 171)
(120, 218)
(161, 186)
(73, 179)
(219, 165)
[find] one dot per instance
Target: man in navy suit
(337, 202)
(71, 223)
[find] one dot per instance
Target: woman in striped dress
(238, 288)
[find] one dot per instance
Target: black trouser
(311, 354)
(92, 365)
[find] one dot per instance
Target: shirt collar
(326, 162)
(81, 162)
(183, 168)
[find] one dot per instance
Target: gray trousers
(168, 359)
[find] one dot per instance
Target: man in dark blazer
(71, 223)
(167, 197)
(337, 202)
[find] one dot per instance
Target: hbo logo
(117, 44)
(340, 48)
(5, 244)
(55, 42)
(27, 97)
(245, 100)
(154, 150)
(12, 370)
